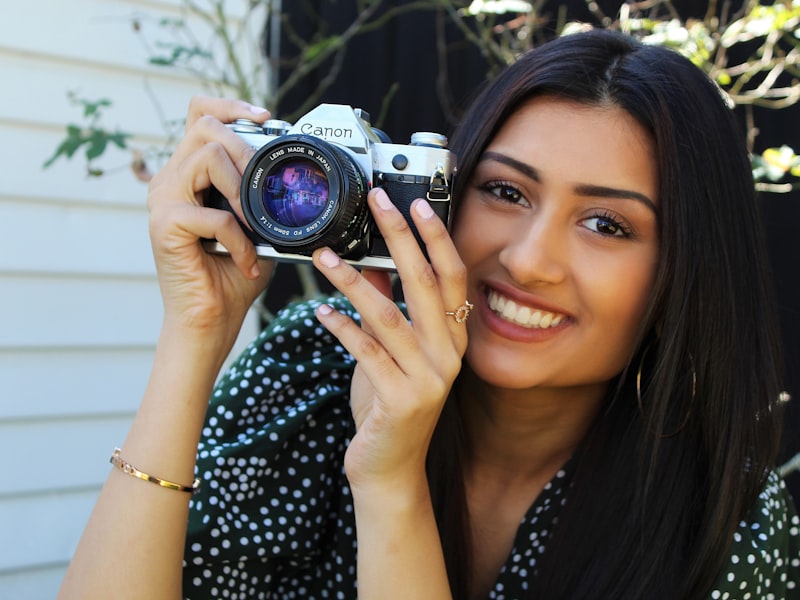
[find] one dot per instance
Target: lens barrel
(300, 193)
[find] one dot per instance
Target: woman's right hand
(203, 291)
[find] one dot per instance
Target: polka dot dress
(274, 515)
(765, 560)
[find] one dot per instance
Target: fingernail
(255, 271)
(329, 259)
(257, 110)
(324, 309)
(383, 199)
(423, 209)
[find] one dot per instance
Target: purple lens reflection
(296, 193)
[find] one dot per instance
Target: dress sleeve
(764, 560)
(271, 461)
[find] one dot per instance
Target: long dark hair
(674, 462)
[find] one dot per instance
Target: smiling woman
(559, 228)
(574, 402)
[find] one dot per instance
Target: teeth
(522, 315)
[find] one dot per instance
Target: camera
(306, 186)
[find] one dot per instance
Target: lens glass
(295, 193)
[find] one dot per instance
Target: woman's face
(558, 230)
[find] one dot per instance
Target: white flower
(498, 7)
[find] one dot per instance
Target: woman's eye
(607, 225)
(504, 192)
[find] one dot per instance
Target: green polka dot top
(274, 516)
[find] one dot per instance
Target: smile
(522, 315)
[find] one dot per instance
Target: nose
(537, 251)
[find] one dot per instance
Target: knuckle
(452, 365)
(459, 273)
(223, 219)
(399, 225)
(426, 277)
(196, 103)
(390, 316)
(435, 388)
(369, 347)
(351, 278)
(206, 122)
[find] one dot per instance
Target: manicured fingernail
(423, 209)
(324, 309)
(329, 259)
(257, 110)
(383, 200)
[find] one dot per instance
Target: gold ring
(462, 312)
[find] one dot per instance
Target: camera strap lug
(439, 189)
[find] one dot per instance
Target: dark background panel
(403, 56)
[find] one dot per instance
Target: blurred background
(94, 92)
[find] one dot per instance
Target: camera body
(306, 186)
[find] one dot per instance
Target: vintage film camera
(306, 186)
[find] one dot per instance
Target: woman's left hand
(405, 368)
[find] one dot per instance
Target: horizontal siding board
(76, 382)
(35, 584)
(23, 175)
(47, 237)
(78, 294)
(74, 312)
(45, 530)
(98, 32)
(40, 95)
(93, 31)
(72, 383)
(68, 453)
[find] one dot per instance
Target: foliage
(91, 136)
(238, 57)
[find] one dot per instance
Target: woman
(607, 432)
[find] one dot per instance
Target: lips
(522, 315)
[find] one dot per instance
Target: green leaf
(97, 144)
(68, 146)
(119, 139)
(90, 109)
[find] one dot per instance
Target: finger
(423, 388)
(450, 270)
(207, 130)
(427, 286)
(224, 110)
(380, 315)
(199, 222)
(211, 165)
(378, 364)
(382, 282)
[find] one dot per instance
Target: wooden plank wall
(79, 303)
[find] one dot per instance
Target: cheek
(623, 292)
(464, 232)
(477, 232)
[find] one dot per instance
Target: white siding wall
(79, 304)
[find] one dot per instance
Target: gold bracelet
(128, 468)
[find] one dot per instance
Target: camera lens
(296, 193)
(300, 193)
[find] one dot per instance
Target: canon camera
(306, 186)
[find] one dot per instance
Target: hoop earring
(641, 404)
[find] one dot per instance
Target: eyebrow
(583, 189)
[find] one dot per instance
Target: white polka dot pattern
(274, 516)
(764, 563)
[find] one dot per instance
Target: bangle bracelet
(128, 468)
